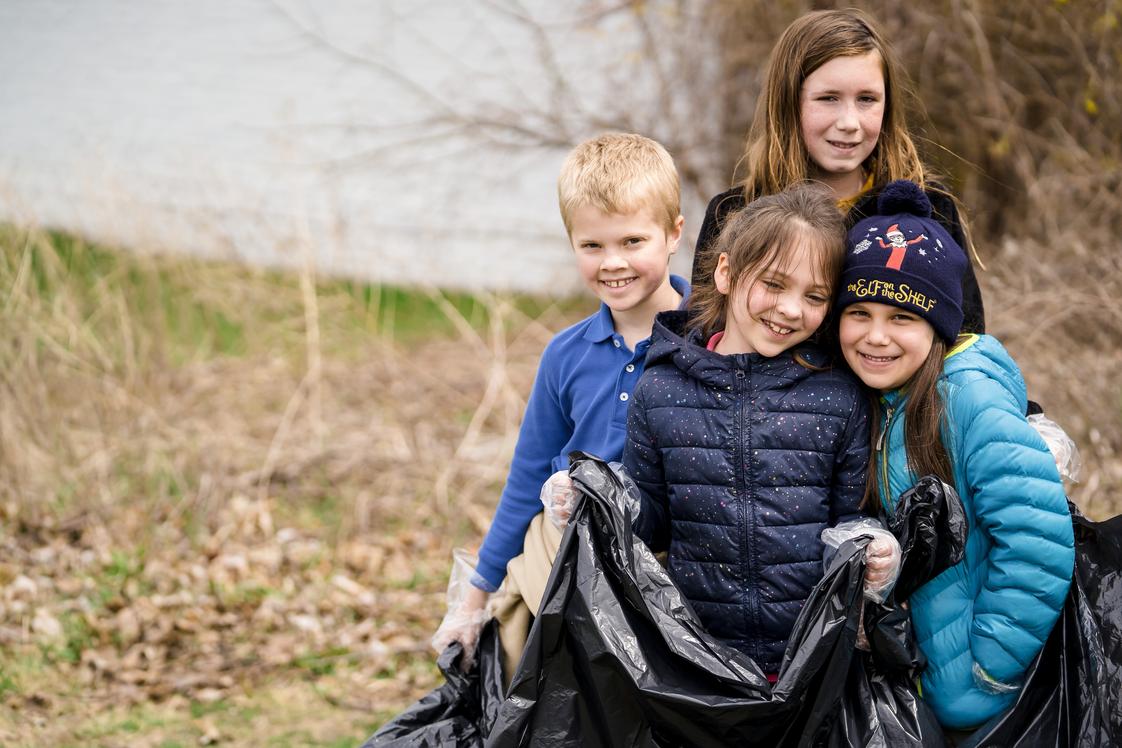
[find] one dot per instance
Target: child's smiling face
(841, 109)
(884, 345)
(624, 258)
(779, 308)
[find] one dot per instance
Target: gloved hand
(462, 624)
(882, 565)
(1063, 449)
(467, 610)
(882, 554)
(558, 497)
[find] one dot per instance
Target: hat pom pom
(903, 196)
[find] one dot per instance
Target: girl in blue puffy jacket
(744, 441)
(953, 406)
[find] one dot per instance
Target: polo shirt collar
(603, 328)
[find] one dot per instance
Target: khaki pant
(520, 595)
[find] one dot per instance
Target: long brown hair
(924, 422)
(775, 155)
(759, 236)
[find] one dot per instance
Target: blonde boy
(619, 199)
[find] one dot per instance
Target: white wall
(229, 128)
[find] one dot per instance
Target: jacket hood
(673, 343)
(985, 355)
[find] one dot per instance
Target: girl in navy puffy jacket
(744, 441)
(953, 405)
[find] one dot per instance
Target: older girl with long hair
(832, 110)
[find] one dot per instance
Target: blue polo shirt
(579, 401)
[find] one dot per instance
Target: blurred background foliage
(1019, 105)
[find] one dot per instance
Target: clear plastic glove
(882, 554)
(987, 683)
(558, 497)
(467, 610)
(1063, 449)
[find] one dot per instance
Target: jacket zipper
(882, 457)
(743, 446)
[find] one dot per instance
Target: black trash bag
(880, 704)
(460, 712)
(616, 656)
(1072, 694)
(883, 709)
(930, 524)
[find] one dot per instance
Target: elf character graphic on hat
(898, 244)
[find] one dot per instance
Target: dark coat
(741, 462)
(943, 210)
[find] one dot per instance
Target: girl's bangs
(826, 253)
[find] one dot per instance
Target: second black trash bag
(616, 656)
(929, 522)
(461, 711)
(1072, 695)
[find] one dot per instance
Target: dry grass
(1025, 106)
(219, 484)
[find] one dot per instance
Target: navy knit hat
(903, 257)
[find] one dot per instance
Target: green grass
(323, 662)
(67, 270)
(179, 309)
(201, 709)
(123, 565)
(7, 684)
(320, 512)
(293, 715)
(77, 637)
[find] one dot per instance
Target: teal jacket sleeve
(1020, 505)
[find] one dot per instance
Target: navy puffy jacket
(742, 461)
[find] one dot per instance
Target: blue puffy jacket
(741, 462)
(997, 606)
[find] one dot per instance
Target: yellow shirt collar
(845, 204)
